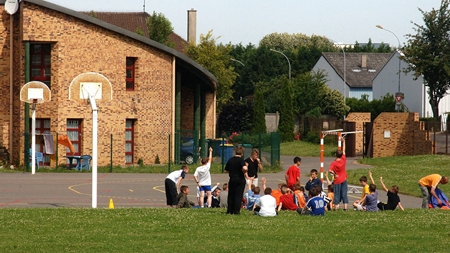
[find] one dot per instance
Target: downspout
(27, 110)
(11, 83)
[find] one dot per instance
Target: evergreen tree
(259, 116)
(286, 124)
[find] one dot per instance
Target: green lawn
(306, 149)
(211, 230)
(404, 171)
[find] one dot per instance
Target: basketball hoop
(91, 87)
(34, 92)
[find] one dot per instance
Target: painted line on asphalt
(72, 188)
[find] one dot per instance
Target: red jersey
(288, 202)
(338, 168)
(293, 173)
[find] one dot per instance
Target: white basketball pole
(33, 139)
(94, 149)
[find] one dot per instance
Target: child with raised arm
(393, 198)
(252, 195)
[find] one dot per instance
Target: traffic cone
(111, 204)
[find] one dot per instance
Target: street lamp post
(399, 60)
(232, 59)
(286, 59)
(345, 68)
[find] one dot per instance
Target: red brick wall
(78, 47)
(359, 118)
(406, 136)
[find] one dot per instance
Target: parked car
(187, 150)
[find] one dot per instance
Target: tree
(375, 107)
(259, 115)
(286, 123)
(369, 47)
(308, 91)
(292, 42)
(235, 116)
(333, 104)
(428, 53)
(159, 29)
(216, 59)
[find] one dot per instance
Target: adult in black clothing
(236, 169)
(253, 165)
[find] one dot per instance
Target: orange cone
(111, 204)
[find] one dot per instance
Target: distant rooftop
(131, 21)
(361, 68)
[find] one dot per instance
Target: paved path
(128, 190)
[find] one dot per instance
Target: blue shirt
(251, 199)
(316, 205)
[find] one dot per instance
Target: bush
(253, 139)
(314, 137)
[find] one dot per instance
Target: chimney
(192, 26)
(364, 61)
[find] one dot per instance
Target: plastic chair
(85, 162)
(39, 158)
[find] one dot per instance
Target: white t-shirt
(203, 175)
(175, 175)
(268, 205)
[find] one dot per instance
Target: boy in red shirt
(293, 173)
(337, 168)
(287, 200)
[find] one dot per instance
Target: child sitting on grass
(330, 195)
(393, 198)
(299, 196)
(359, 204)
(252, 195)
(287, 200)
(182, 198)
(315, 205)
(369, 201)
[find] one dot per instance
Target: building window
(40, 64)
(74, 134)
(42, 127)
(130, 69)
(129, 141)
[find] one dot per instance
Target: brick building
(157, 92)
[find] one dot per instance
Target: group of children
(288, 196)
(369, 198)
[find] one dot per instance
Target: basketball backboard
(35, 92)
(90, 84)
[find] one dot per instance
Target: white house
(375, 75)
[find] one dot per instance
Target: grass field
(404, 171)
(211, 230)
(306, 149)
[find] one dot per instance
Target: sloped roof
(357, 76)
(131, 21)
(182, 59)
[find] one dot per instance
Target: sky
(247, 21)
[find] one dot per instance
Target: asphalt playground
(50, 190)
